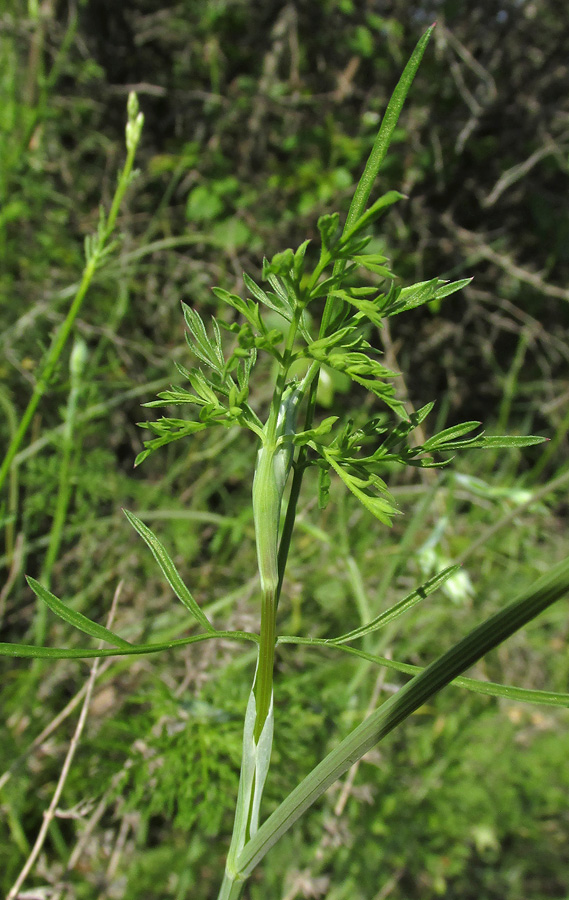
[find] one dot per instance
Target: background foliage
(258, 119)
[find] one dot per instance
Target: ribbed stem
(230, 890)
(264, 682)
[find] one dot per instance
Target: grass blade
(169, 570)
(72, 617)
(399, 707)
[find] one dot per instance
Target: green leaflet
(207, 349)
(364, 489)
(404, 299)
(77, 619)
(399, 608)
(169, 570)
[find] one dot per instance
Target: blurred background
(258, 119)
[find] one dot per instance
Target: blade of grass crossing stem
(400, 706)
(169, 570)
(72, 617)
(378, 154)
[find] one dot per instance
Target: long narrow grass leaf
(400, 706)
(169, 570)
(72, 617)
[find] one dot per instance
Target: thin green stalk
(99, 249)
(69, 448)
(49, 368)
(270, 480)
(230, 890)
(12, 507)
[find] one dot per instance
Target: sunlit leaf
(169, 570)
(399, 608)
(72, 617)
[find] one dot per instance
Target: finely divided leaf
(449, 434)
(206, 349)
(275, 302)
(373, 262)
(364, 489)
(280, 264)
(303, 437)
(404, 299)
(505, 441)
(248, 309)
(168, 430)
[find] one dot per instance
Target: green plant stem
(230, 890)
(264, 680)
(64, 331)
(12, 509)
(298, 475)
(290, 517)
(67, 464)
(268, 504)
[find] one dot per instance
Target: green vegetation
(136, 796)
